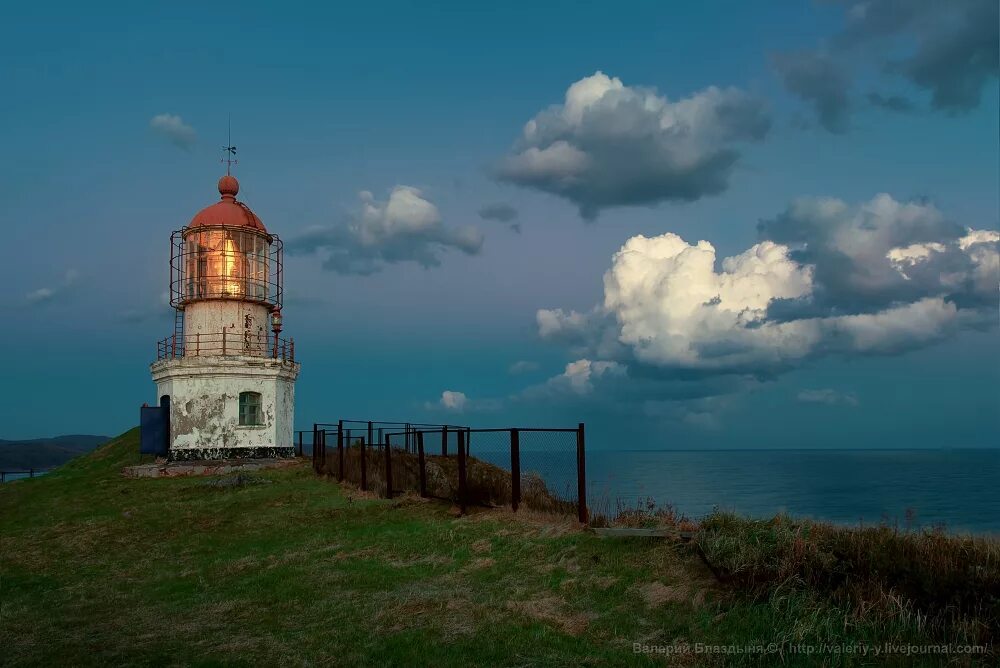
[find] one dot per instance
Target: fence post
(388, 468)
(581, 475)
(340, 452)
(515, 469)
(322, 448)
(420, 461)
(369, 441)
(315, 438)
(300, 444)
(325, 469)
(325, 432)
(444, 441)
(406, 443)
(364, 463)
(461, 471)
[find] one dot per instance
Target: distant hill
(44, 453)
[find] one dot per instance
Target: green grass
(97, 569)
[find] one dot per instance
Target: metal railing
(225, 343)
(6, 476)
(540, 468)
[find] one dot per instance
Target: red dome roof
(228, 211)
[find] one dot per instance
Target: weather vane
(229, 156)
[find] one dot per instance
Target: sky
(694, 225)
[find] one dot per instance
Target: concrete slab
(205, 468)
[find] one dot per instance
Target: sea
(957, 489)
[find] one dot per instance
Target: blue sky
(327, 102)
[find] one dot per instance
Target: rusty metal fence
(537, 468)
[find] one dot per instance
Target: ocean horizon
(953, 488)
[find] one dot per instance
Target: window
(250, 413)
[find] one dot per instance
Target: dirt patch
(531, 523)
(552, 610)
(656, 594)
(420, 607)
(480, 563)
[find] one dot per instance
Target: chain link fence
(538, 468)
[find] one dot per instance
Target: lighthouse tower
(225, 379)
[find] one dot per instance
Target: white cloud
(405, 228)
(673, 308)
(453, 401)
(580, 375)
(884, 252)
(879, 278)
(610, 144)
(174, 129)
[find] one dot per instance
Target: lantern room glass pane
(221, 262)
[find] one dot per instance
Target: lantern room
(225, 253)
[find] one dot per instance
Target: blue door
(154, 428)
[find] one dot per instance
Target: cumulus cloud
(452, 401)
(820, 81)
(948, 50)
(827, 396)
(405, 228)
(173, 128)
(882, 253)
(49, 293)
(826, 278)
(610, 144)
(580, 376)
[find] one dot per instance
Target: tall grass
(943, 585)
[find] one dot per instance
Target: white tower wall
(204, 406)
(205, 322)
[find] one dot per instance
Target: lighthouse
(225, 378)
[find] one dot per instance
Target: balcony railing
(226, 343)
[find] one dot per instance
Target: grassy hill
(97, 569)
(43, 453)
